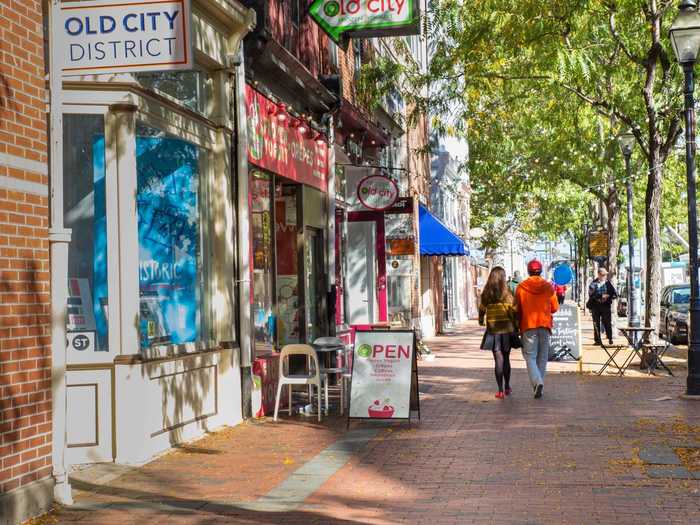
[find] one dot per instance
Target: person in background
(560, 291)
(601, 294)
(535, 303)
(514, 281)
(497, 313)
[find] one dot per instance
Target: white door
(89, 204)
(361, 272)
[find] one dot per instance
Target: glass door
(85, 213)
(315, 292)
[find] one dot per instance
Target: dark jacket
(595, 296)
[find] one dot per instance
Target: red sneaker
(509, 391)
(499, 395)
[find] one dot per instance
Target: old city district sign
(366, 18)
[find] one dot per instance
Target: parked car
(673, 322)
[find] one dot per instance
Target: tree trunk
(653, 239)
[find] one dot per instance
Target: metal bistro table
(325, 348)
(636, 337)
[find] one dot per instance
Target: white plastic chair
(312, 378)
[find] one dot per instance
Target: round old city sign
(377, 192)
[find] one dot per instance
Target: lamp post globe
(685, 38)
(685, 32)
(626, 140)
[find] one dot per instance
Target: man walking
(536, 301)
(601, 294)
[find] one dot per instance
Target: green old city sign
(366, 18)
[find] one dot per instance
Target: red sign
(284, 145)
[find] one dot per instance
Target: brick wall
(25, 359)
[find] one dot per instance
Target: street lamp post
(626, 141)
(685, 37)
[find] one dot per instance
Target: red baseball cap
(534, 266)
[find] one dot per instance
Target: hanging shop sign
(366, 18)
(279, 143)
(377, 192)
(598, 243)
(117, 36)
(384, 375)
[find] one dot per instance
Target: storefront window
(84, 209)
(192, 89)
(169, 170)
(399, 284)
(261, 219)
(287, 281)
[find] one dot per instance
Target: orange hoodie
(535, 301)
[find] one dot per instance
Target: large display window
(264, 318)
(289, 327)
(169, 200)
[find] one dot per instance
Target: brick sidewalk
(576, 456)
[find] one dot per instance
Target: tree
(611, 55)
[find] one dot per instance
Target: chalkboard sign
(566, 334)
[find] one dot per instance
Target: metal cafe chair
(334, 344)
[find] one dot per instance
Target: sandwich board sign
(565, 340)
(118, 36)
(366, 18)
(384, 375)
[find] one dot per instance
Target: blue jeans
(536, 354)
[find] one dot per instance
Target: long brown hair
(496, 289)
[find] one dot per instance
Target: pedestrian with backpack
(497, 313)
(535, 302)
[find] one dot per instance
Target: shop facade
(149, 196)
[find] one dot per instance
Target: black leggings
(502, 361)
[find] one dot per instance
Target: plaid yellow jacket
(499, 318)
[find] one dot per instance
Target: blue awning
(436, 238)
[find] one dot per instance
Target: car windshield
(681, 296)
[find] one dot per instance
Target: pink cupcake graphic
(380, 410)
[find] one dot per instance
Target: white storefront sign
(377, 192)
(116, 36)
(381, 375)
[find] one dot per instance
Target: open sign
(377, 192)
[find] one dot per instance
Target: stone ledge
(26, 502)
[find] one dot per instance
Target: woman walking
(497, 313)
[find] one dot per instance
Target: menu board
(384, 375)
(565, 331)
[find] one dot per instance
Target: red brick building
(25, 357)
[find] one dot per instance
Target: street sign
(117, 36)
(384, 375)
(598, 244)
(366, 18)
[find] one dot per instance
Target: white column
(122, 120)
(59, 239)
(244, 269)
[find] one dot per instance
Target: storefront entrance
(366, 269)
